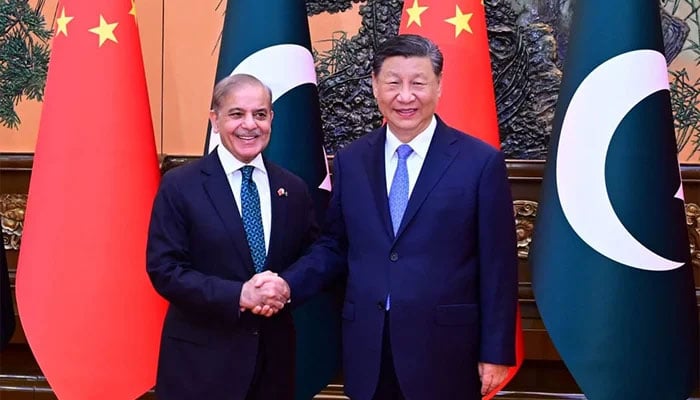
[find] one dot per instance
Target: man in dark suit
(421, 221)
(215, 223)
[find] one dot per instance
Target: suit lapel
(374, 165)
(279, 205)
(219, 191)
(440, 155)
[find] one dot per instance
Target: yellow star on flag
(62, 23)
(414, 13)
(105, 31)
(133, 8)
(460, 21)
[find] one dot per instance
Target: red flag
(468, 101)
(90, 314)
(458, 27)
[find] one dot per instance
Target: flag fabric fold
(610, 259)
(467, 101)
(90, 314)
(270, 40)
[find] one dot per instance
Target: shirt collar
(419, 144)
(231, 164)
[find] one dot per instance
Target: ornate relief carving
(524, 212)
(692, 218)
(12, 208)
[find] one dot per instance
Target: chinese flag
(90, 314)
(468, 101)
(458, 27)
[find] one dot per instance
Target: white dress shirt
(414, 162)
(232, 168)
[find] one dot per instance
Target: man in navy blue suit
(421, 221)
(215, 223)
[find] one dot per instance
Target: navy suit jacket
(198, 259)
(451, 269)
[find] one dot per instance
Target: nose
(248, 121)
(405, 94)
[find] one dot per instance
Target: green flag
(610, 258)
(270, 40)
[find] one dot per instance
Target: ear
(213, 120)
(439, 85)
(375, 84)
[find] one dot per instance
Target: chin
(406, 127)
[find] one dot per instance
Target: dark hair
(231, 82)
(408, 46)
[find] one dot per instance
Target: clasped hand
(264, 294)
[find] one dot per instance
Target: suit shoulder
(472, 142)
(184, 172)
(472, 150)
(359, 145)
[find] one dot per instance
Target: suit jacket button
(394, 257)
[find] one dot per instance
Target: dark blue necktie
(398, 193)
(252, 219)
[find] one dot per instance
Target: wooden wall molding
(524, 212)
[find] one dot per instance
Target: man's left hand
(491, 376)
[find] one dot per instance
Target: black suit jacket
(198, 259)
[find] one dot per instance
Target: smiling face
(243, 118)
(407, 91)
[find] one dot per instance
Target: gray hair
(408, 46)
(233, 82)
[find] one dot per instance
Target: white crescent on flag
(591, 119)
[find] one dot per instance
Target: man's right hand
(264, 294)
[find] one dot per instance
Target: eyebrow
(392, 74)
(263, 109)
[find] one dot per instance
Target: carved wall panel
(12, 207)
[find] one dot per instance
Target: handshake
(264, 294)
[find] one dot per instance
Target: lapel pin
(282, 192)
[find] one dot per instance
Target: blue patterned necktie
(252, 219)
(398, 193)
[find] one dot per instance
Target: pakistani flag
(611, 270)
(270, 40)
